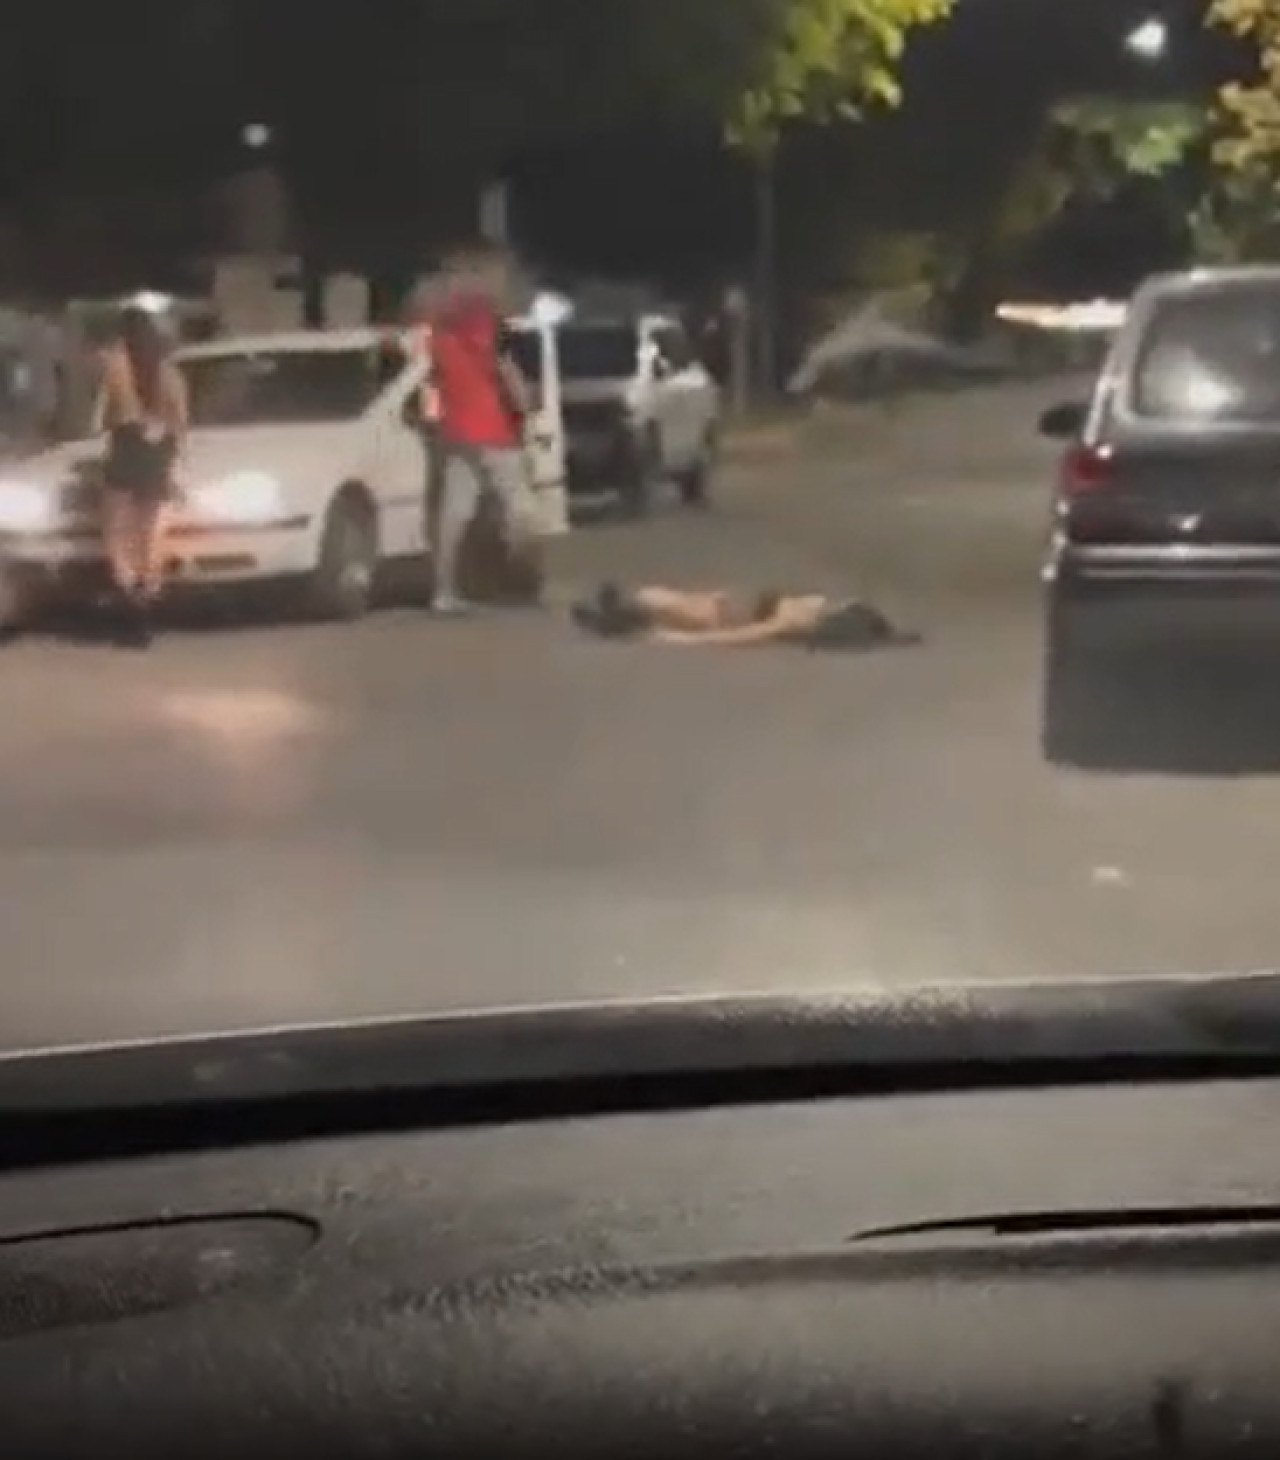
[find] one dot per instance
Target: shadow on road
(1178, 714)
(102, 626)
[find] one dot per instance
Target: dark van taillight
(1086, 469)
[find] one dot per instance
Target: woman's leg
(152, 534)
(460, 500)
(119, 538)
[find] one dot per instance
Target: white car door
(399, 458)
(687, 393)
(661, 395)
(545, 435)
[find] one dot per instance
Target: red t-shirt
(473, 409)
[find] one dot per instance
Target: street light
(256, 136)
(550, 310)
(1148, 41)
(150, 301)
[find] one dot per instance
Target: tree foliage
(1238, 217)
(891, 261)
(822, 58)
(1249, 111)
(1114, 140)
(1089, 149)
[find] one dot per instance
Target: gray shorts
(472, 471)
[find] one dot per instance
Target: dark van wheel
(1069, 729)
(643, 476)
(20, 603)
(695, 482)
(341, 586)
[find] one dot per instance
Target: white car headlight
(25, 507)
(246, 496)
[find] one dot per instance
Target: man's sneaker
(449, 605)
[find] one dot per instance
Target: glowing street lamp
(151, 301)
(256, 136)
(550, 311)
(1148, 41)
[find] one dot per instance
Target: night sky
(976, 89)
(664, 201)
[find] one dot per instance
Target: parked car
(306, 469)
(640, 409)
(1166, 514)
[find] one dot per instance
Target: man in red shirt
(482, 401)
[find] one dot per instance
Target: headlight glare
(246, 496)
(25, 507)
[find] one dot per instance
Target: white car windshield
(286, 387)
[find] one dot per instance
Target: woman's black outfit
(139, 463)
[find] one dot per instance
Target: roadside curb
(877, 426)
(757, 439)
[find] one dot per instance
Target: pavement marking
(1110, 877)
(244, 714)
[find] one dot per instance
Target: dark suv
(1166, 519)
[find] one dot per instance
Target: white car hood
(291, 453)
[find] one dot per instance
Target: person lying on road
(679, 616)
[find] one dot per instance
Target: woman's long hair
(147, 350)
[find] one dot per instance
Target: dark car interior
(987, 1222)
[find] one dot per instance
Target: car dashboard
(829, 1262)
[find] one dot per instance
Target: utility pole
(766, 270)
(495, 213)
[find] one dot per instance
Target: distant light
(1086, 317)
(550, 310)
(1148, 41)
(256, 135)
(152, 302)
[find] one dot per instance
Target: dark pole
(766, 303)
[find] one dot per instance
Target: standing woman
(144, 405)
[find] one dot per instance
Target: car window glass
(390, 363)
(1212, 356)
(281, 387)
(673, 347)
(585, 351)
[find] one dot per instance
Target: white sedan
(305, 466)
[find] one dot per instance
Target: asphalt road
(266, 824)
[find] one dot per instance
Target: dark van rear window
(1212, 356)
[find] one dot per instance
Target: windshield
(1213, 356)
(800, 659)
(282, 387)
(586, 352)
